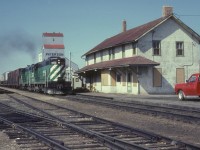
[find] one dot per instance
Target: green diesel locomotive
(47, 76)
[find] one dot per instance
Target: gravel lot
(170, 128)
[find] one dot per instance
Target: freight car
(14, 78)
(47, 77)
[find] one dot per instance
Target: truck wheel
(181, 95)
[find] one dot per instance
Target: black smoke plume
(17, 42)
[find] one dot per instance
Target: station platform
(156, 99)
(193, 102)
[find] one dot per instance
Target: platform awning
(124, 62)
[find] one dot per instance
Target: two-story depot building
(148, 59)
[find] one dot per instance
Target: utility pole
(70, 78)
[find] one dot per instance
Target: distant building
(148, 59)
(53, 46)
(1, 77)
(4, 77)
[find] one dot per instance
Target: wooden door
(180, 75)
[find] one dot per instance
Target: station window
(111, 54)
(118, 77)
(101, 55)
(95, 58)
(134, 46)
(156, 48)
(87, 60)
(179, 49)
(123, 51)
(129, 77)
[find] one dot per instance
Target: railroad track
(3, 91)
(13, 123)
(123, 136)
(185, 114)
(36, 132)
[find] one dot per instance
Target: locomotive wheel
(181, 95)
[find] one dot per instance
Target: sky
(84, 23)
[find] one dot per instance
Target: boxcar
(14, 78)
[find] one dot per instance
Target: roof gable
(136, 33)
(187, 28)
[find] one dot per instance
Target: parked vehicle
(190, 88)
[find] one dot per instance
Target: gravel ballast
(177, 130)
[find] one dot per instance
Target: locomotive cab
(55, 77)
(57, 61)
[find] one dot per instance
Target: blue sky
(84, 23)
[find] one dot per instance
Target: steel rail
(150, 135)
(127, 106)
(109, 141)
(111, 144)
(49, 142)
(147, 104)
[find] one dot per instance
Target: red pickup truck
(190, 88)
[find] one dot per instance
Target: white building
(4, 77)
(52, 46)
(147, 59)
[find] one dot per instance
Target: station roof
(136, 33)
(123, 62)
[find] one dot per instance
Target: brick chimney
(124, 26)
(167, 10)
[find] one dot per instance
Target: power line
(191, 15)
(187, 15)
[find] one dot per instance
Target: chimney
(124, 26)
(167, 10)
